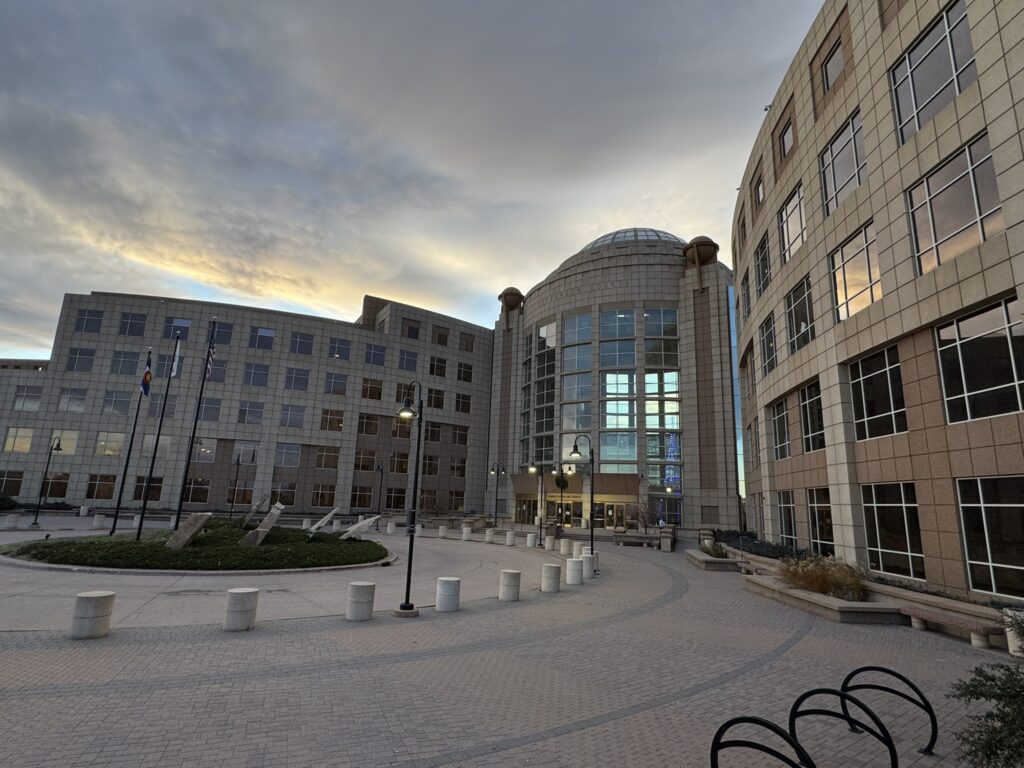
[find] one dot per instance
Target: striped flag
(147, 374)
(210, 354)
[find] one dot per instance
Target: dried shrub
(826, 576)
(714, 550)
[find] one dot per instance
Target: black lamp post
(44, 489)
(408, 411)
(238, 465)
(575, 454)
(497, 470)
(380, 491)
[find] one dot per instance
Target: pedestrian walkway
(635, 668)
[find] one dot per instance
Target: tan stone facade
(885, 301)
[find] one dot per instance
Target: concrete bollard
(577, 549)
(531, 540)
(360, 600)
(83, 511)
(99, 521)
(12, 521)
(306, 523)
(241, 613)
(442, 531)
(335, 526)
(137, 522)
(588, 566)
(170, 522)
(466, 532)
(510, 538)
(508, 586)
(574, 571)
(391, 527)
(419, 529)
(448, 594)
(489, 536)
(551, 577)
(565, 547)
(361, 518)
(549, 543)
(93, 611)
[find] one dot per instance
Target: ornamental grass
(826, 576)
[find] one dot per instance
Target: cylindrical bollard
(360, 600)
(170, 522)
(83, 511)
(306, 523)
(12, 521)
(241, 613)
(361, 518)
(137, 522)
(489, 536)
(442, 531)
(577, 549)
(565, 547)
(391, 527)
(99, 521)
(335, 526)
(574, 571)
(93, 611)
(466, 532)
(586, 550)
(549, 543)
(551, 577)
(588, 566)
(508, 586)
(419, 529)
(531, 540)
(448, 594)
(510, 538)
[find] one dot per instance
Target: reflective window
(893, 531)
(89, 321)
(786, 139)
(292, 415)
(661, 414)
(618, 323)
(811, 417)
(296, 378)
(843, 164)
(787, 519)
(369, 424)
(463, 402)
(576, 416)
(156, 402)
(407, 360)
(339, 349)
(616, 446)
(856, 280)
(780, 430)
(72, 400)
(465, 373)
(662, 384)
(791, 224)
(209, 409)
(335, 383)
(577, 387)
(332, 419)
(618, 384)
(132, 324)
(661, 322)
(301, 343)
(745, 292)
(819, 511)
(287, 455)
(955, 207)
(763, 265)
(577, 358)
(222, 336)
(618, 414)
(547, 337)
(576, 329)
(374, 354)
(800, 315)
(661, 353)
(938, 67)
(282, 492)
(256, 374)
(18, 440)
(618, 354)
(261, 338)
(116, 403)
(438, 366)
(767, 335)
(109, 443)
(981, 357)
(177, 325)
(992, 513)
(250, 412)
(323, 495)
(877, 387)
(833, 66)
(80, 360)
(124, 363)
(664, 446)
(100, 487)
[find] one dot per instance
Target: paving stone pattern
(635, 669)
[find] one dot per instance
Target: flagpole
(128, 456)
(195, 421)
(156, 442)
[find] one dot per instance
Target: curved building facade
(623, 349)
(879, 261)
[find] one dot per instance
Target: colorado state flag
(147, 375)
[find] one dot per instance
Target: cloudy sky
(297, 155)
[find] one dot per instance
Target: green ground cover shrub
(216, 548)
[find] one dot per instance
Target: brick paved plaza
(636, 668)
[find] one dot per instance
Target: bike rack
(921, 702)
(719, 743)
(873, 724)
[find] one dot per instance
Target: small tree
(996, 738)
(644, 514)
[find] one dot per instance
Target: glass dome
(623, 236)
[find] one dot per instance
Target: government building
(624, 351)
(879, 254)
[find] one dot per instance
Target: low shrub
(7, 503)
(825, 576)
(994, 739)
(714, 550)
(747, 541)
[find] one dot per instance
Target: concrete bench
(980, 629)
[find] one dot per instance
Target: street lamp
(45, 487)
(497, 470)
(575, 454)
(542, 511)
(408, 411)
(380, 491)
